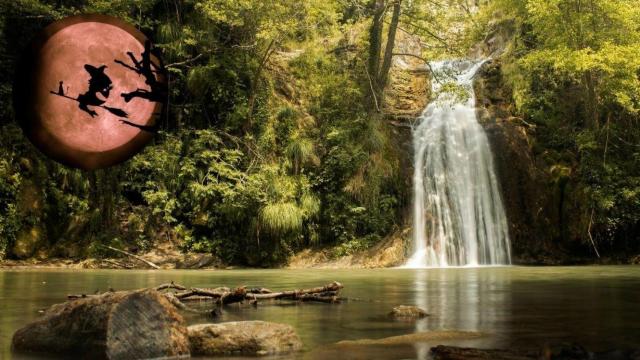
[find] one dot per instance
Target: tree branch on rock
(179, 295)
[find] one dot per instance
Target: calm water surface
(598, 307)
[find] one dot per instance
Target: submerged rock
(408, 346)
(419, 337)
(559, 352)
(442, 352)
(243, 337)
(408, 312)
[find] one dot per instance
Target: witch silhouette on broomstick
(99, 83)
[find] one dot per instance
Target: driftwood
(114, 325)
(224, 295)
(180, 296)
(170, 285)
(131, 255)
(327, 291)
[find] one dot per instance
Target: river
(596, 306)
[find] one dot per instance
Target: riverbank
(306, 259)
(165, 256)
(387, 253)
(391, 252)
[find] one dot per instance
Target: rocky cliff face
(407, 95)
(525, 185)
(547, 220)
(543, 224)
(409, 86)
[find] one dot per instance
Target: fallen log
(334, 287)
(237, 295)
(132, 256)
(115, 325)
(221, 296)
(184, 307)
(170, 285)
(212, 293)
(262, 290)
(225, 295)
(331, 299)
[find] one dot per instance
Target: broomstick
(114, 111)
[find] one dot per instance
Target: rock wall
(546, 219)
(408, 91)
(523, 184)
(407, 95)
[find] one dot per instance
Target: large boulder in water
(243, 337)
(117, 325)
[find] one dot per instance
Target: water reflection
(421, 286)
(469, 299)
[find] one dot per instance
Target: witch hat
(94, 71)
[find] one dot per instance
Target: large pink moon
(56, 124)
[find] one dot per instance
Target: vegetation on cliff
(574, 74)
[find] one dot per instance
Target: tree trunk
(375, 43)
(388, 52)
(115, 325)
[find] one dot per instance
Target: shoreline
(338, 264)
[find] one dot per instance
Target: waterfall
(458, 216)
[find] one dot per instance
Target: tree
(263, 26)
(590, 43)
(378, 73)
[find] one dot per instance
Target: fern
(281, 218)
(300, 151)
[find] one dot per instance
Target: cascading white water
(459, 219)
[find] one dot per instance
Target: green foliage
(9, 218)
(244, 167)
(281, 218)
(574, 68)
